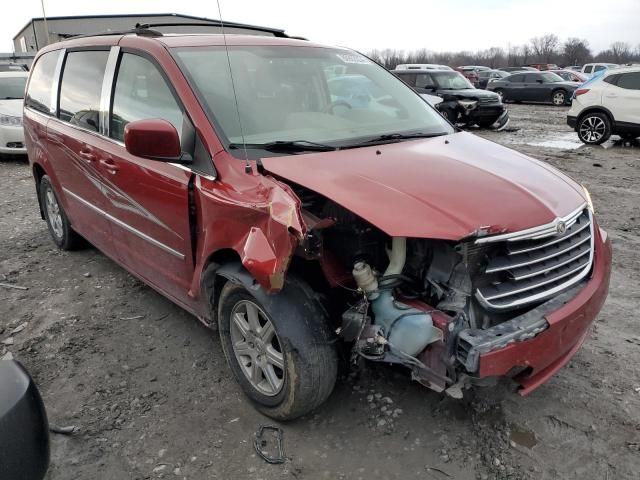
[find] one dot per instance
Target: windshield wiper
(394, 137)
(286, 146)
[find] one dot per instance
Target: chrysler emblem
(561, 227)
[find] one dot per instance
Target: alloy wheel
(592, 129)
(53, 213)
(558, 98)
(257, 348)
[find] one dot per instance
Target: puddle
(524, 438)
(568, 141)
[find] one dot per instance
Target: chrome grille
(535, 264)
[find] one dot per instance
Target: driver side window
(141, 93)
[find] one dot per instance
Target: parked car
(302, 226)
(462, 102)
(571, 76)
(574, 68)
(518, 69)
(486, 76)
(477, 68)
(422, 66)
(534, 87)
(470, 74)
(590, 69)
(607, 105)
(12, 85)
(543, 66)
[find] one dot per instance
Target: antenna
(247, 165)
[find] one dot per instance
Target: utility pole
(44, 17)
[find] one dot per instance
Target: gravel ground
(149, 389)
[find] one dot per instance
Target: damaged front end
(437, 306)
(486, 112)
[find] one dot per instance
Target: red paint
(152, 138)
(549, 351)
(436, 188)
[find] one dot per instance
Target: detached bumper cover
(544, 339)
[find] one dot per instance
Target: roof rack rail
(146, 32)
(215, 23)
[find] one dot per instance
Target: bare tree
(575, 51)
(545, 47)
(621, 52)
(526, 53)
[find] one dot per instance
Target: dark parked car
(518, 69)
(534, 87)
(308, 226)
(461, 101)
(486, 76)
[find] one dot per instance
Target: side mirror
(153, 138)
(24, 429)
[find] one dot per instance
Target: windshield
(12, 88)
(310, 94)
(550, 77)
(451, 81)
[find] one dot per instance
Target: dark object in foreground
(261, 444)
(24, 431)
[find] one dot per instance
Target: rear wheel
(594, 128)
(285, 364)
(59, 227)
(559, 98)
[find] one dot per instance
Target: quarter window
(81, 88)
(629, 80)
(39, 93)
(141, 93)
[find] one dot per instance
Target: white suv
(608, 104)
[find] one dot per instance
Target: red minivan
(314, 208)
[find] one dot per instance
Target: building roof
(204, 20)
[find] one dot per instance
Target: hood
(470, 93)
(11, 107)
(444, 187)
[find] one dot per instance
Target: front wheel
(281, 356)
(559, 98)
(594, 128)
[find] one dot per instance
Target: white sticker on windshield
(352, 58)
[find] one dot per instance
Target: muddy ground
(148, 387)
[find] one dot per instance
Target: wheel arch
(597, 109)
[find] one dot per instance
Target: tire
(57, 221)
(594, 128)
(300, 345)
(559, 98)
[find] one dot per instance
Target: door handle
(611, 95)
(111, 166)
(87, 155)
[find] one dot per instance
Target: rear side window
(532, 77)
(515, 78)
(81, 88)
(612, 79)
(629, 80)
(141, 93)
(40, 90)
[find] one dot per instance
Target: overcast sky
(439, 25)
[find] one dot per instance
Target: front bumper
(558, 334)
(12, 140)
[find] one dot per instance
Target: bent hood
(445, 187)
